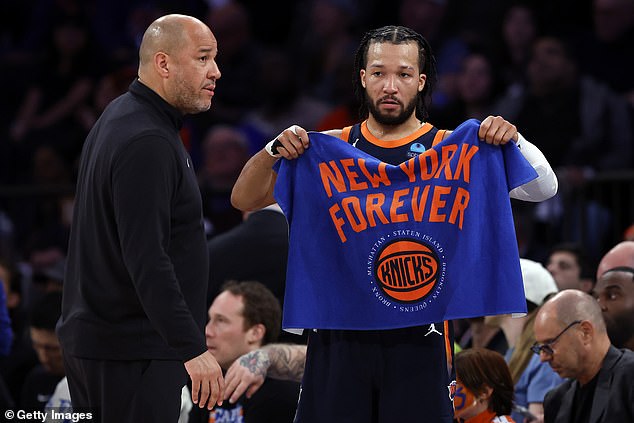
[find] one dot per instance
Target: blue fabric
(537, 379)
(431, 239)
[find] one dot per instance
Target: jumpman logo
(354, 144)
(432, 329)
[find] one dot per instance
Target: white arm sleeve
(545, 185)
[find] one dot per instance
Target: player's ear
(422, 79)
(362, 77)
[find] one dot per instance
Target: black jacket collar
(137, 88)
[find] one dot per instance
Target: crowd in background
(561, 71)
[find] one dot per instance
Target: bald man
(622, 254)
(133, 315)
(615, 292)
(571, 336)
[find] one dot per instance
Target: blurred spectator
(41, 380)
(570, 268)
(484, 389)
(582, 127)
(263, 238)
(44, 222)
(242, 318)
(532, 379)
(609, 45)
(431, 19)
(47, 115)
(225, 150)
(22, 358)
(284, 104)
(108, 87)
(519, 31)
(575, 121)
(326, 44)
(238, 61)
(345, 110)
(482, 335)
(478, 86)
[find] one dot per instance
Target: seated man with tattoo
(278, 361)
(244, 317)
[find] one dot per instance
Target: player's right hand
(207, 382)
(290, 143)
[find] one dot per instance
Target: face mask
(463, 401)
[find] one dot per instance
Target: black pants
(126, 391)
(377, 376)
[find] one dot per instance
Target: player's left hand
(497, 131)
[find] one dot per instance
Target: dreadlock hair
(396, 35)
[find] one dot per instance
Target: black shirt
(582, 403)
(136, 275)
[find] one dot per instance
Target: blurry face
(567, 357)
(565, 270)
(474, 81)
(615, 293)
(194, 71)
(392, 81)
(226, 337)
(549, 64)
(519, 27)
(225, 156)
(48, 351)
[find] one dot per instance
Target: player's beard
(390, 119)
(620, 328)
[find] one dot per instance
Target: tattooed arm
(279, 361)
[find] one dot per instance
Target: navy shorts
(386, 376)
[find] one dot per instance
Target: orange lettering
(438, 203)
(464, 161)
(408, 167)
(327, 177)
(428, 164)
(352, 176)
(375, 180)
(354, 211)
(339, 222)
(460, 204)
(396, 204)
(373, 205)
(447, 153)
(418, 207)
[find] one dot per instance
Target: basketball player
(383, 375)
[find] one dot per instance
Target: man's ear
(362, 77)
(422, 79)
(161, 61)
(256, 333)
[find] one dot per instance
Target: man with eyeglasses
(571, 336)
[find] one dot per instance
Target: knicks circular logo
(406, 270)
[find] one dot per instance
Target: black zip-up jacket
(137, 267)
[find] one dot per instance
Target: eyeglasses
(547, 346)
